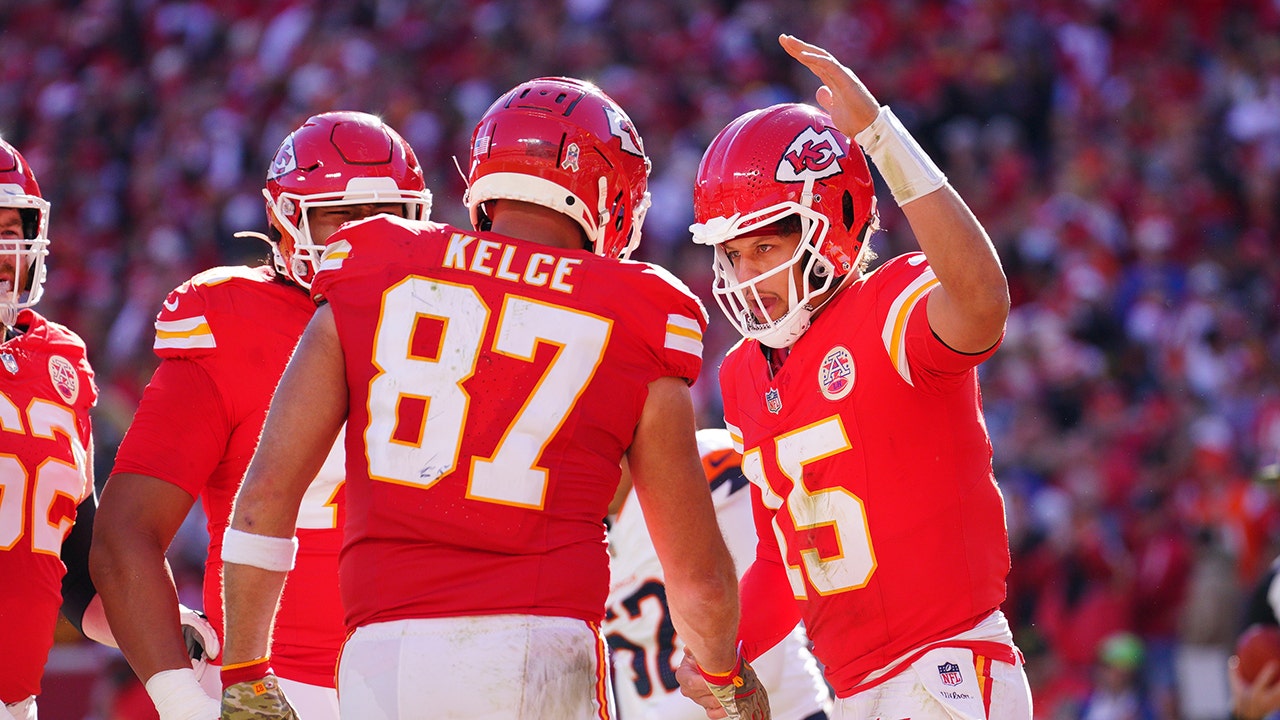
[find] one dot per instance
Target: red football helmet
(763, 167)
(563, 144)
(337, 158)
(18, 190)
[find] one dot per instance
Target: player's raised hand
(842, 94)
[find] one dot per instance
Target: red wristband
(733, 677)
(241, 672)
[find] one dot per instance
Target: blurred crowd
(1124, 156)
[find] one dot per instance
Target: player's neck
(535, 223)
(775, 356)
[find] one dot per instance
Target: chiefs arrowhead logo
(812, 155)
(620, 126)
(286, 160)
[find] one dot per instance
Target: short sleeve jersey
(494, 385)
(46, 391)
(644, 646)
(224, 338)
(873, 465)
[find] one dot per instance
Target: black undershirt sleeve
(77, 586)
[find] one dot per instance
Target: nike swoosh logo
(916, 259)
(171, 306)
(716, 458)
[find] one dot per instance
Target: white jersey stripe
(684, 334)
(192, 332)
(895, 325)
(735, 435)
(197, 341)
(334, 254)
(182, 326)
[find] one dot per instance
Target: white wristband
(260, 551)
(177, 695)
(904, 165)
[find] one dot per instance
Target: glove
(739, 692)
(201, 639)
(202, 647)
(251, 691)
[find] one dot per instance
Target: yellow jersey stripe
(895, 326)
(684, 334)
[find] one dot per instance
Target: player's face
(756, 255)
(10, 235)
(325, 221)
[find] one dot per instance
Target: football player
(854, 399)
(645, 648)
(47, 496)
(492, 380)
(223, 338)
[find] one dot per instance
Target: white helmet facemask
(304, 262)
(26, 255)
(740, 300)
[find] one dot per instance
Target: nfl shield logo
(10, 362)
(950, 673)
(773, 401)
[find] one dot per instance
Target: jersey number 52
(52, 478)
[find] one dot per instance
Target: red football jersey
(873, 486)
(46, 390)
(224, 338)
(496, 385)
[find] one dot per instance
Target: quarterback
(854, 399)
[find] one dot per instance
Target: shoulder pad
(182, 325)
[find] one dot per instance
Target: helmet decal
(812, 155)
(622, 128)
(286, 160)
(571, 154)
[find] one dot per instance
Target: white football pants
(486, 667)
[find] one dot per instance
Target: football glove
(251, 691)
(198, 633)
(739, 692)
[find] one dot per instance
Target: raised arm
(969, 308)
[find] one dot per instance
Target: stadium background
(1124, 156)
